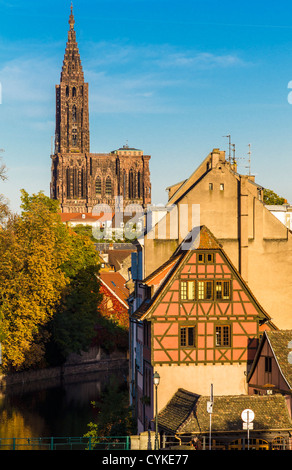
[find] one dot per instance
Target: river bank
(95, 360)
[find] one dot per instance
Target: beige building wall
(199, 379)
(257, 243)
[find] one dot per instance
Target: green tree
(40, 261)
(73, 325)
(114, 415)
(271, 198)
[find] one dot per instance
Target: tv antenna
(229, 152)
(249, 160)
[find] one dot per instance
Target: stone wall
(95, 360)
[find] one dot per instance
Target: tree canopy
(271, 198)
(47, 272)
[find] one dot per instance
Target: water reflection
(49, 408)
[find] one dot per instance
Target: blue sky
(171, 77)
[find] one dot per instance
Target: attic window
(187, 290)
(210, 186)
(205, 290)
(268, 364)
(223, 290)
(201, 258)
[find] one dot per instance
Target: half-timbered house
(198, 324)
(271, 371)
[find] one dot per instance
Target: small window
(201, 258)
(221, 187)
(223, 290)
(74, 91)
(223, 335)
(205, 290)
(211, 186)
(210, 258)
(268, 364)
(187, 336)
(187, 290)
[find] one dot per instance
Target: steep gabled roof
(203, 239)
(279, 343)
(115, 283)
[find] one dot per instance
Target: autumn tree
(41, 261)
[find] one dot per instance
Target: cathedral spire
(71, 19)
(72, 67)
(72, 116)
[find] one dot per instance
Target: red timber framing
(203, 312)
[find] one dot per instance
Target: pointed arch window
(108, 186)
(74, 138)
(74, 91)
(74, 113)
(98, 185)
(131, 185)
(68, 181)
(139, 185)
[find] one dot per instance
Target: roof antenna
(249, 160)
(229, 153)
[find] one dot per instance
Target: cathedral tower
(72, 120)
(81, 180)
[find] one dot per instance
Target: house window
(201, 258)
(205, 290)
(223, 335)
(221, 187)
(210, 258)
(210, 186)
(223, 290)
(187, 336)
(187, 290)
(268, 364)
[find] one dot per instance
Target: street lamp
(156, 380)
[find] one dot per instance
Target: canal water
(54, 408)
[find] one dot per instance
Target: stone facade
(80, 179)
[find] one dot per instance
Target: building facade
(231, 206)
(198, 324)
(80, 180)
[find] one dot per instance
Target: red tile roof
(116, 283)
(77, 216)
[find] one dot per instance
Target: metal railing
(65, 443)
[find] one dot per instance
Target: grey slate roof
(187, 412)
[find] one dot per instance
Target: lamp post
(156, 380)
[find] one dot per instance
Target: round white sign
(247, 416)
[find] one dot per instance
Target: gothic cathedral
(80, 179)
